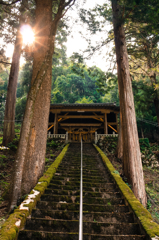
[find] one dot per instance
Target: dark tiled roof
(111, 106)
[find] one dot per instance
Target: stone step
(86, 207)
(86, 174)
(41, 235)
(86, 183)
(77, 179)
(86, 199)
(74, 170)
(105, 215)
(91, 216)
(94, 227)
(106, 188)
(99, 176)
(85, 193)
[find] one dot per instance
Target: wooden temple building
(83, 120)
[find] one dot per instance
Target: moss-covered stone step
(99, 176)
(95, 184)
(77, 171)
(85, 171)
(77, 179)
(85, 193)
(62, 205)
(69, 175)
(28, 234)
(77, 162)
(86, 199)
(58, 225)
(91, 216)
(86, 174)
(86, 183)
(102, 194)
(105, 214)
(107, 187)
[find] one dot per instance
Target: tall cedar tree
(30, 159)
(9, 117)
(131, 149)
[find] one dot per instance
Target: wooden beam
(50, 127)
(82, 116)
(112, 123)
(80, 124)
(112, 128)
(81, 110)
(63, 119)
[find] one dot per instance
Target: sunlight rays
(27, 34)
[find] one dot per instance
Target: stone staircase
(105, 215)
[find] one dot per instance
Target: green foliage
(20, 107)
(85, 100)
(52, 144)
(149, 204)
(144, 143)
(76, 84)
(14, 144)
(2, 161)
(47, 160)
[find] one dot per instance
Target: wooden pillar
(80, 137)
(105, 124)
(55, 124)
(74, 137)
(69, 136)
(91, 134)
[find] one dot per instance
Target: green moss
(9, 229)
(145, 218)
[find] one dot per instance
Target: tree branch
(8, 4)
(3, 62)
(69, 6)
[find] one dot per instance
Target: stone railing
(98, 136)
(63, 136)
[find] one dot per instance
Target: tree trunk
(30, 159)
(9, 117)
(131, 149)
(142, 133)
(154, 82)
(119, 151)
(156, 103)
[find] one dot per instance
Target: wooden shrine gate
(83, 120)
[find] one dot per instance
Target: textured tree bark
(131, 149)
(9, 117)
(30, 159)
(156, 103)
(119, 151)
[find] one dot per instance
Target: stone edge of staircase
(16, 220)
(144, 218)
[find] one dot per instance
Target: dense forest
(77, 83)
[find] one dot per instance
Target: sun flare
(27, 34)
